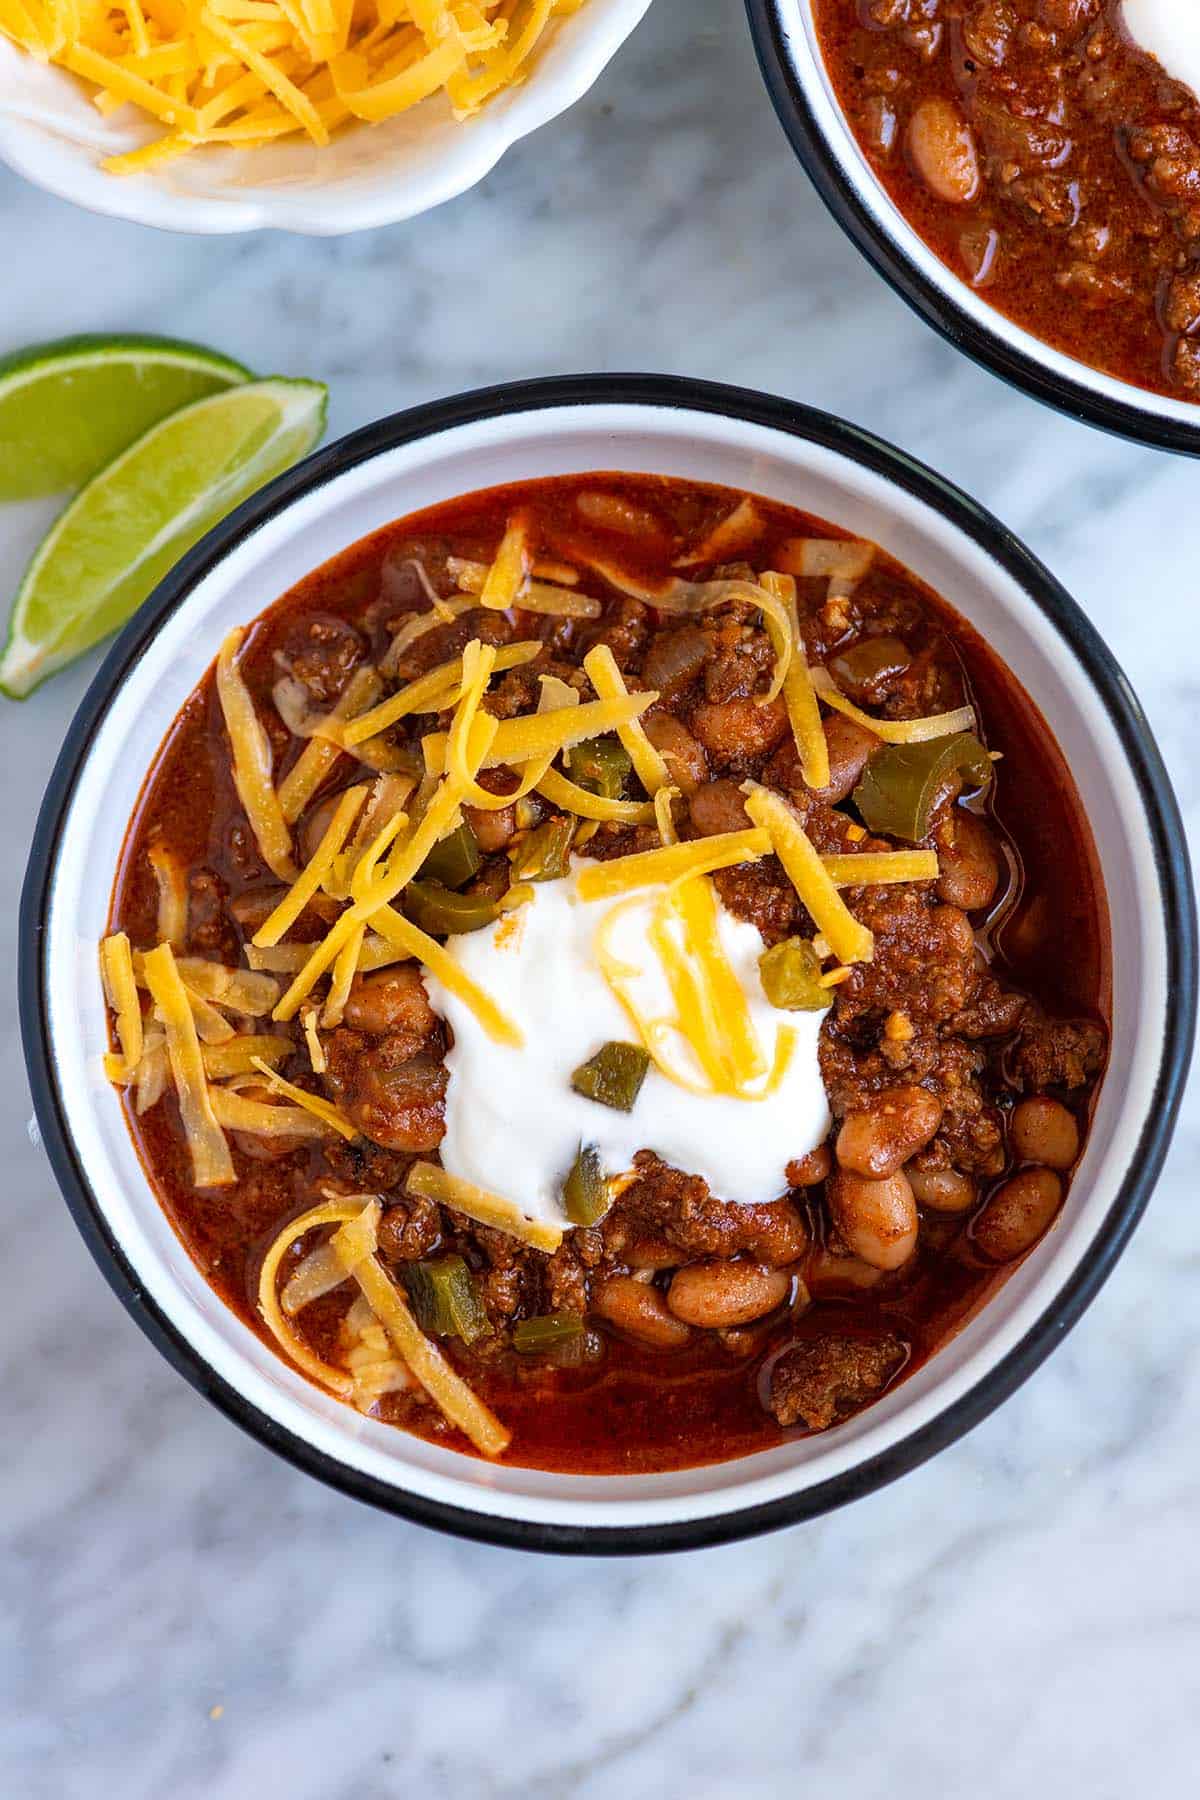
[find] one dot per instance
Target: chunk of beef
(823, 1379)
(1054, 1053)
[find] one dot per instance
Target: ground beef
(678, 1209)
(409, 1229)
(322, 654)
(823, 1379)
(1057, 1053)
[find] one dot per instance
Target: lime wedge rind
(69, 406)
(98, 562)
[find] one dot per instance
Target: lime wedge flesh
(131, 523)
(68, 408)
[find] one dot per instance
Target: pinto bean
(876, 1219)
(737, 728)
(1044, 1131)
(893, 1126)
(941, 148)
(717, 1294)
(807, 1171)
(393, 999)
(1017, 1214)
(830, 1271)
(684, 757)
(943, 1190)
(639, 1309)
(492, 829)
(849, 746)
(718, 806)
(968, 861)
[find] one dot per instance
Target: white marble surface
(1025, 1611)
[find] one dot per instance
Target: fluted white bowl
(368, 175)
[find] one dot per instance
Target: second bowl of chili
(1023, 174)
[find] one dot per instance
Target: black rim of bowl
(934, 304)
(1174, 882)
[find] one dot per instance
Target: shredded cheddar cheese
(893, 731)
(646, 868)
(509, 572)
(248, 72)
(120, 987)
(799, 695)
(252, 762)
(432, 1182)
(354, 1246)
(849, 941)
(314, 872)
(539, 596)
(877, 868)
(601, 667)
(212, 1165)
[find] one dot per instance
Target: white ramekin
(369, 175)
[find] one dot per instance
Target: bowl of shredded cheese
(314, 116)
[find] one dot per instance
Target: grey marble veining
(184, 1615)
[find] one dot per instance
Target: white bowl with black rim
(704, 433)
(787, 42)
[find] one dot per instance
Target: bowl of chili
(1021, 176)
(1039, 674)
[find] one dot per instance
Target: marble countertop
(185, 1615)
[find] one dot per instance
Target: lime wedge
(131, 523)
(68, 407)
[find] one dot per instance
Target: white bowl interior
(457, 460)
(804, 53)
(368, 175)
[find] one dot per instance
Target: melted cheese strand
(212, 1165)
(237, 1112)
(120, 985)
(695, 905)
(237, 1057)
(320, 1109)
(252, 762)
(171, 877)
(849, 941)
(564, 793)
(893, 731)
(332, 1212)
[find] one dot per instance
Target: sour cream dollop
(514, 1124)
(1168, 30)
